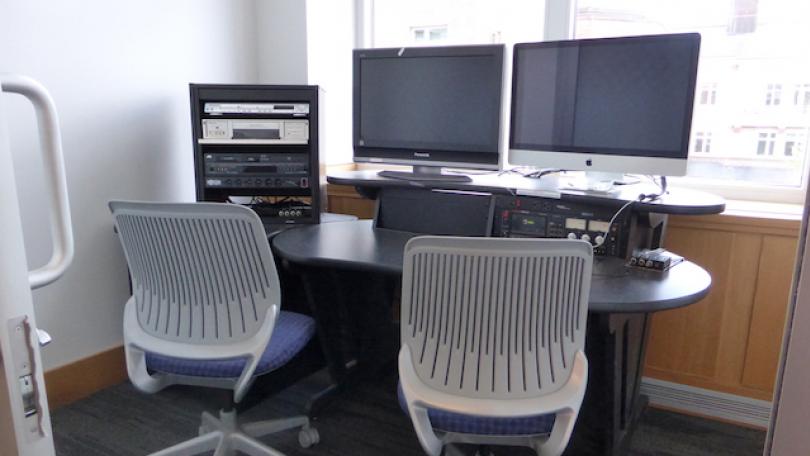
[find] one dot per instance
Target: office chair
(493, 332)
(205, 311)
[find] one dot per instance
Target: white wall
(311, 42)
(330, 42)
(281, 32)
(119, 73)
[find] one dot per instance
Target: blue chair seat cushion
(446, 421)
(291, 334)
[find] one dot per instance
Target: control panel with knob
(282, 213)
(517, 216)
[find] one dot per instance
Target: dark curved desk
(358, 246)
(337, 260)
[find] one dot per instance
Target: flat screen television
(616, 105)
(429, 107)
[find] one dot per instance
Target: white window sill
(758, 209)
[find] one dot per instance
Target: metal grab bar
(56, 185)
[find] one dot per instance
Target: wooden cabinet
(342, 199)
(730, 341)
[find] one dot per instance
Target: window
(744, 17)
(794, 144)
(703, 142)
(708, 94)
(801, 97)
(749, 142)
(396, 24)
(766, 143)
(433, 34)
(773, 95)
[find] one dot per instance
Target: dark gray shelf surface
(676, 201)
(357, 245)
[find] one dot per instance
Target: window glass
(703, 142)
(455, 22)
(753, 90)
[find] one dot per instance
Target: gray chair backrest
(492, 317)
(201, 272)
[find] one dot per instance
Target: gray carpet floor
(122, 421)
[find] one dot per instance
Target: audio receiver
(553, 218)
(256, 170)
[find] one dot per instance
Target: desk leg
(615, 347)
(369, 310)
(324, 298)
(353, 314)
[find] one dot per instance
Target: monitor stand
(597, 182)
(425, 173)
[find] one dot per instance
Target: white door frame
(25, 422)
(787, 433)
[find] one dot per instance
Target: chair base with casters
(225, 436)
(206, 311)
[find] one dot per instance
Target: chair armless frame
(496, 328)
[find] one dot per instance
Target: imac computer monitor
(428, 107)
(613, 105)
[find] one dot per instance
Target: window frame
(559, 23)
(704, 140)
(708, 94)
(427, 33)
(732, 190)
(773, 94)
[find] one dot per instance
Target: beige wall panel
(687, 340)
(770, 306)
(345, 200)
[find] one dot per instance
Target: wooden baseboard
(82, 378)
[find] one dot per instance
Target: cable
(533, 173)
(655, 196)
(626, 182)
(644, 197)
(612, 220)
(543, 172)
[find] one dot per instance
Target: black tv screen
(615, 96)
(437, 105)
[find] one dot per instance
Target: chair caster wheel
(308, 436)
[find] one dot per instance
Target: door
(787, 434)
(25, 426)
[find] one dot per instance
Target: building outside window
(708, 94)
(434, 33)
(766, 143)
(757, 51)
(462, 22)
(703, 142)
(773, 96)
(794, 144)
(744, 17)
(754, 49)
(801, 97)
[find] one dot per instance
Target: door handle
(56, 185)
(43, 337)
